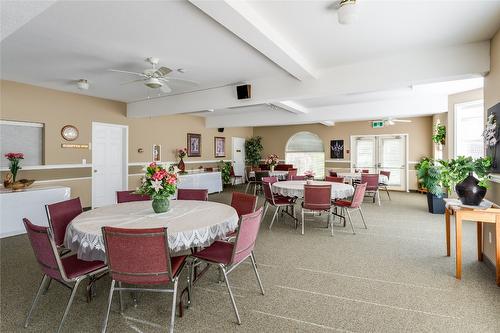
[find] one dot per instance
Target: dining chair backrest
(298, 177)
(138, 256)
(129, 196)
(371, 181)
(334, 179)
(359, 194)
(283, 167)
(192, 194)
(365, 171)
(268, 192)
(264, 167)
(291, 172)
(317, 197)
(248, 230)
(209, 169)
(261, 174)
(60, 214)
(385, 173)
(332, 173)
(243, 203)
(44, 249)
(231, 171)
(271, 180)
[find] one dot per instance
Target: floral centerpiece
(160, 185)
(272, 160)
(309, 174)
(14, 167)
(181, 153)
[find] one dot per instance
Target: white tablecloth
(357, 176)
(279, 174)
(190, 224)
(295, 188)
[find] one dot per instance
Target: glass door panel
(365, 154)
(392, 157)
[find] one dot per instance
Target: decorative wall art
(491, 137)
(193, 145)
(156, 153)
(337, 149)
(220, 146)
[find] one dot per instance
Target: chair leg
(256, 273)
(388, 194)
(266, 207)
(378, 197)
(274, 216)
(303, 221)
(350, 221)
(174, 302)
(70, 301)
(47, 287)
(362, 217)
(35, 300)
(190, 283)
(120, 298)
(231, 295)
(110, 299)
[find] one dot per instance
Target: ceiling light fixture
(82, 84)
(347, 11)
(153, 83)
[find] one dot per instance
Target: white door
(109, 162)
(238, 146)
(365, 154)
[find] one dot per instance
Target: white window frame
(455, 109)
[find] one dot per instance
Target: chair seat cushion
(75, 267)
(342, 203)
(219, 252)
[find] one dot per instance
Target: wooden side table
(485, 213)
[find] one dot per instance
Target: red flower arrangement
(14, 167)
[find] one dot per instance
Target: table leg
(447, 218)
(497, 246)
(479, 241)
(458, 245)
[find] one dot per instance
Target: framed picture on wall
(220, 146)
(337, 149)
(194, 145)
(156, 153)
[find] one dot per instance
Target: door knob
(95, 170)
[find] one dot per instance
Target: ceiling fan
(154, 77)
(393, 121)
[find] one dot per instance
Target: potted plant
(429, 175)
(225, 170)
(253, 151)
(439, 136)
(160, 185)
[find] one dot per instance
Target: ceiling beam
(389, 73)
(243, 21)
(292, 107)
(403, 107)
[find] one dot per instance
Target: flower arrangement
(14, 167)
(181, 153)
(272, 160)
(309, 174)
(160, 185)
(439, 135)
(490, 132)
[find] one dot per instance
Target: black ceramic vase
(469, 192)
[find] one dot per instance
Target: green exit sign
(377, 124)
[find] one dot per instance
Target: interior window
(469, 123)
(306, 152)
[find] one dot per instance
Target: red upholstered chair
(291, 173)
(192, 194)
(365, 171)
(68, 270)
(371, 181)
(332, 173)
(277, 201)
(233, 176)
(334, 179)
(258, 180)
(298, 177)
(317, 198)
(229, 255)
(384, 185)
(129, 196)
(283, 167)
(60, 215)
(243, 203)
(209, 169)
(347, 207)
(141, 257)
(264, 167)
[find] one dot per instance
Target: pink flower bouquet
(14, 167)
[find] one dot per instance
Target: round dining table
(280, 174)
(350, 176)
(190, 224)
(295, 188)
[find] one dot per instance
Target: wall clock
(69, 133)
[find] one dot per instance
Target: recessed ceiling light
(347, 11)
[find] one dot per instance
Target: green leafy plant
(253, 150)
(459, 168)
(225, 169)
(429, 175)
(439, 134)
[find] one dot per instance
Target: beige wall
(274, 138)
(492, 97)
(55, 109)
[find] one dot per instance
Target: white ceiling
(383, 27)
(292, 50)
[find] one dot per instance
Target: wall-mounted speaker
(221, 130)
(244, 91)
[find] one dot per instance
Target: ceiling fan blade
(162, 71)
(126, 72)
(131, 81)
(170, 78)
(334, 5)
(165, 88)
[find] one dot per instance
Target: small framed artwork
(156, 153)
(194, 145)
(337, 149)
(220, 146)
